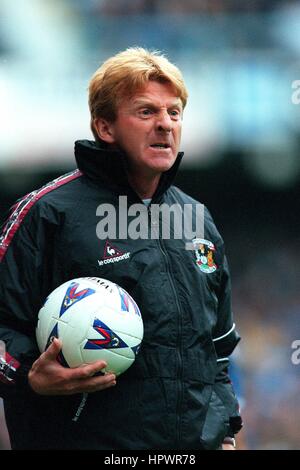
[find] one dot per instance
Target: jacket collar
(99, 162)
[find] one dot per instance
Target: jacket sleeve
(25, 251)
(225, 339)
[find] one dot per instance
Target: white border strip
(223, 359)
(226, 334)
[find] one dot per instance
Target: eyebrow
(148, 102)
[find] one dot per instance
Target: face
(148, 129)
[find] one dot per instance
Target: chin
(163, 165)
(156, 169)
(166, 168)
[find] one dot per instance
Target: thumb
(53, 349)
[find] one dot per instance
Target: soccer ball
(96, 320)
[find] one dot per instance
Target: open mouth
(160, 146)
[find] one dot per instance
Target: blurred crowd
(123, 7)
(266, 300)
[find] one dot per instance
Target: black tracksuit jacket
(177, 394)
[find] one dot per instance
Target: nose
(164, 122)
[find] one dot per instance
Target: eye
(175, 113)
(145, 112)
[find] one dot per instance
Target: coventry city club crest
(204, 250)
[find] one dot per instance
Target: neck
(144, 186)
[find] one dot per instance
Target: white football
(95, 319)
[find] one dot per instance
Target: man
(177, 394)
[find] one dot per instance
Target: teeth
(161, 146)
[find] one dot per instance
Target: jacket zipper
(179, 341)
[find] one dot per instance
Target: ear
(104, 130)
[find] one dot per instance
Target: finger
(52, 351)
(94, 367)
(50, 354)
(102, 386)
(88, 370)
(96, 384)
(105, 380)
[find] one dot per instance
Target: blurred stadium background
(241, 141)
